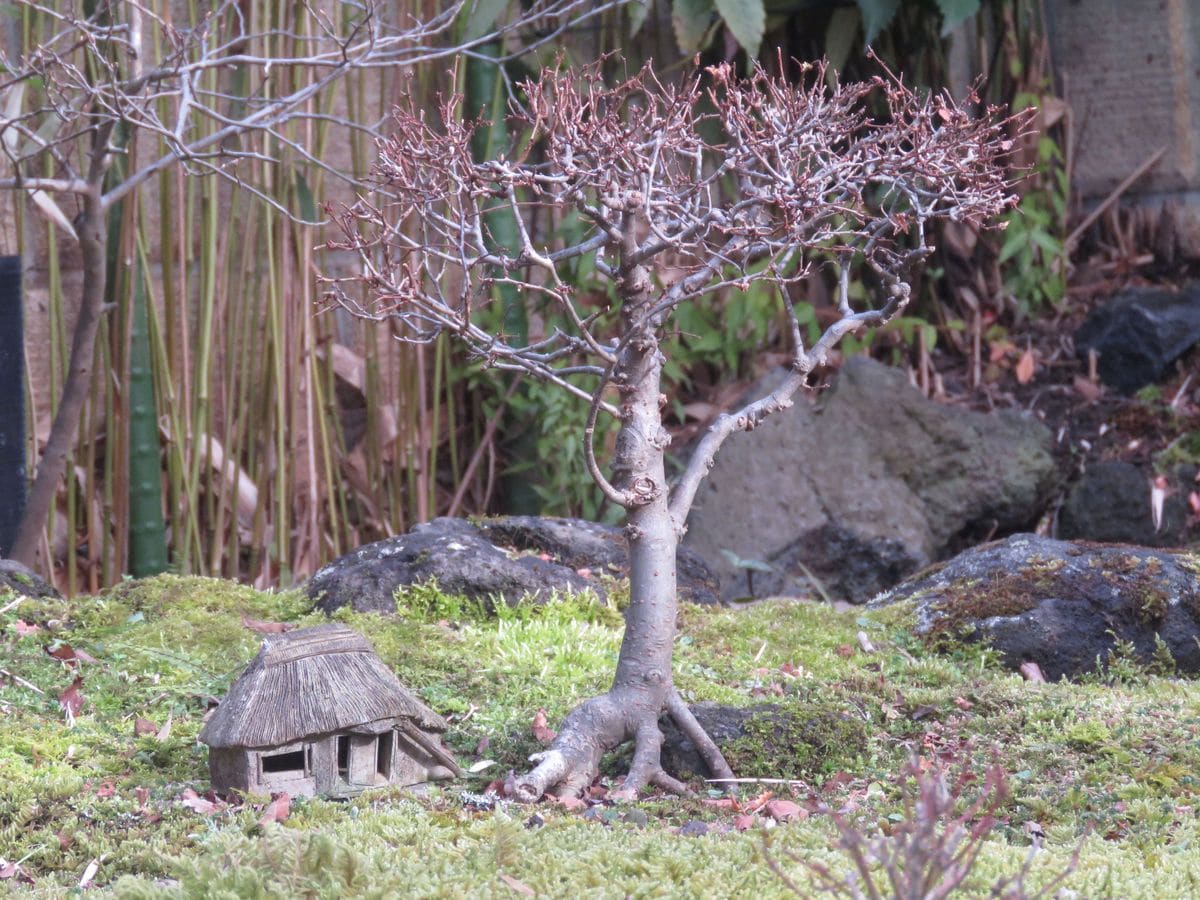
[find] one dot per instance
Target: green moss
(1183, 451)
(1113, 758)
(797, 741)
(1153, 604)
(1087, 735)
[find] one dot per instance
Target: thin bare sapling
(687, 191)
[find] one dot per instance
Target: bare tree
(686, 190)
(72, 107)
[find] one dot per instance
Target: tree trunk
(642, 688)
(91, 226)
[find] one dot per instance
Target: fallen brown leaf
(71, 700)
(519, 886)
(1026, 366)
(745, 822)
(570, 803)
(542, 732)
(784, 810)
(758, 802)
(277, 810)
(143, 727)
(1032, 672)
(64, 653)
(1088, 390)
(196, 803)
(266, 627)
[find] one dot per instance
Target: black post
(12, 402)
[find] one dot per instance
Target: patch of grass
(1111, 761)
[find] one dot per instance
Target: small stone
(694, 828)
(636, 817)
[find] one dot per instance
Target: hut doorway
(364, 759)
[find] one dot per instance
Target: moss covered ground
(113, 794)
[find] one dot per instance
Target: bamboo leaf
(877, 15)
(308, 206)
(691, 20)
(840, 35)
(12, 109)
(53, 211)
(955, 12)
(482, 17)
(746, 19)
(638, 10)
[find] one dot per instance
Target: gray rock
(20, 579)
(496, 558)
(870, 485)
(1111, 502)
(1139, 333)
(1060, 604)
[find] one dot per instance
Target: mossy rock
(1067, 606)
(16, 578)
(768, 740)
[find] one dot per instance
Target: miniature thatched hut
(317, 712)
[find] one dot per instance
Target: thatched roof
(308, 682)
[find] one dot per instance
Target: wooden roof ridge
(309, 682)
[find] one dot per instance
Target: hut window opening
(294, 761)
(383, 758)
(343, 756)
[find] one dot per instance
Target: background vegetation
(280, 438)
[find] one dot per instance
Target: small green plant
(749, 566)
(1033, 256)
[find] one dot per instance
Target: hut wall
(411, 763)
(288, 768)
(324, 763)
(230, 769)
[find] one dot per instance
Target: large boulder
(1060, 604)
(511, 558)
(871, 484)
(1139, 333)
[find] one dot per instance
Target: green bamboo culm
(147, 526)
(485, 99)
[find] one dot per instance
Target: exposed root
(705, 746)
(602, 724)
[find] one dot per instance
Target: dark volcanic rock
(1062, 605)
(1111, 502)
(1139, 333)
(20, 579)
(871, 485)
(601, 548)
(496, 558)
